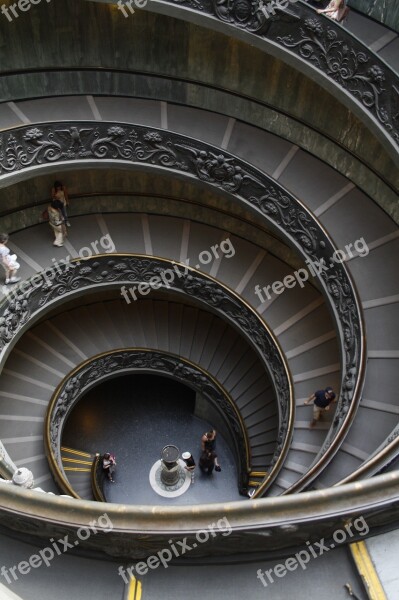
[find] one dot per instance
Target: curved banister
(115, 270)
(378, 461)
(57, 146)
(97, 479)
(101, 367)
(375, 500)
(267, 525)
(352, 170)
(338, 59)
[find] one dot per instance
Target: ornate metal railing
(386, 454)
(108, 364)
(30, 301)
(322, 45)
(7, 467)
(30, 148)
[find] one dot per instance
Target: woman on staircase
(60, 195)
(336, 9)
(56, 223)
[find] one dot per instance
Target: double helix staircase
(69, 338)
(179, 230)
(300, 321)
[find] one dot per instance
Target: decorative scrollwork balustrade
(319, 42)
(117, 270)
(29, 148)
(109, 364)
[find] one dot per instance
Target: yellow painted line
(78, 452)
(367, 571)
(76, 460)
(258, 473)
(254, 483)
(76, 469)
(134, 592)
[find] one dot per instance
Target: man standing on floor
(209, 461)
(321, 401)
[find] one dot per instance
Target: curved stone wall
(380, 10)
(33, 148)
(268, 80)
(239, 108)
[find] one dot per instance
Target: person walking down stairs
(336, 10)
(60, 195)
(56, 223)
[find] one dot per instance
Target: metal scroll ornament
(109, 270)
(320, 42)
(179, 154)
(140, 360)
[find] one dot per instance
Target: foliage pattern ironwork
(26, 147)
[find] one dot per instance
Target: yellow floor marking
(367, 571)
(76, 469)
(76, 460)
(134, 592)
(72, 451)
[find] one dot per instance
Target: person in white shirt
(8, 260)
(336, 9)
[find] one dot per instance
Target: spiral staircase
(164, 146)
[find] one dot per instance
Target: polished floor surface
(134, 417)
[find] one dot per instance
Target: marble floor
(134, 417)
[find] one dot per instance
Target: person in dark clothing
(109, 464)
(208, 440)
(59, 195)
(321, 401)
(209, 461)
